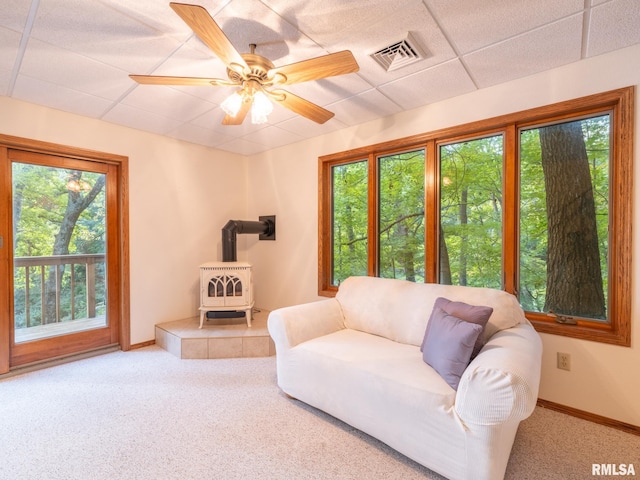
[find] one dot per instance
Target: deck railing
(58, 263)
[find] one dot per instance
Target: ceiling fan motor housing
(258, 69)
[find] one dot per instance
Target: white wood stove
(226, 287)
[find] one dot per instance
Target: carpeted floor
(146, 414)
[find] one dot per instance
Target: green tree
(471, 212)
(55, 212)
(401, 215)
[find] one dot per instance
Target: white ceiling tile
(63, 67)
(141, 119)
(5, 79)
(614, 25)
(273, 137)
(59, 97)
(432, 85)
(307, 128)
(331, 21)
(364, 107)
(192, 59)
(474, 24)
(208, 119)
(103, 33)
(9, 43)
(14, 14)
(155, 15)
(200, 135)
(329, 90)
(167, 101)
(542, 49)
(251, 21)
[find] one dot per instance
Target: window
(401, 215)
(564, 218)
(537, 203)
(471, 212)
(349, 220)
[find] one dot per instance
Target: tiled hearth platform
(218, 338)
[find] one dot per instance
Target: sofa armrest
(501, 384)
(290, 326)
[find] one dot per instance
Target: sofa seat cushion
(399, 364)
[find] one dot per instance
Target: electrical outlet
(564, 361)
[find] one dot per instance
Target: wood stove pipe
(265, 227)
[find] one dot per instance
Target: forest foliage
(471, 213)
(56, 212)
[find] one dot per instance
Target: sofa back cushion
(399, 310)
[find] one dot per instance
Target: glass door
(61, 214)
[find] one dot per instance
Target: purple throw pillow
(469, 313)
(448, 345)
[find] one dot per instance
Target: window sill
(603, 333)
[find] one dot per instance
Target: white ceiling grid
(76, 55)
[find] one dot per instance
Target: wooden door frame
(121, 163)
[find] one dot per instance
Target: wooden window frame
(620, 103)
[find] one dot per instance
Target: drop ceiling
(76, 55)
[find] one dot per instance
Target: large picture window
(537, 203)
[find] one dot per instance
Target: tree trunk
(574, 277)
(464, 236)
(445, 265)
(407, 254)
(76, 204)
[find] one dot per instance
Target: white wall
(180, 196)
(604, 379)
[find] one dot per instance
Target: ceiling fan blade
(301, 106)
(330, 65)
(189, 81)
(211, 34)
(240, 116)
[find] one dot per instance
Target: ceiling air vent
(400, 54)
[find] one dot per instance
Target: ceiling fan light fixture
(231, 105)
(261, 108)
(254, 74)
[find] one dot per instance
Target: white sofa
(357, 357)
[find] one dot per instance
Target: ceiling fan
(256, 76)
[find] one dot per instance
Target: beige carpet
(146, 414)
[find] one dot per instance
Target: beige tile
(171, 343)
(161, 338)
(194, 348)
(255, 347)
(225, 347)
